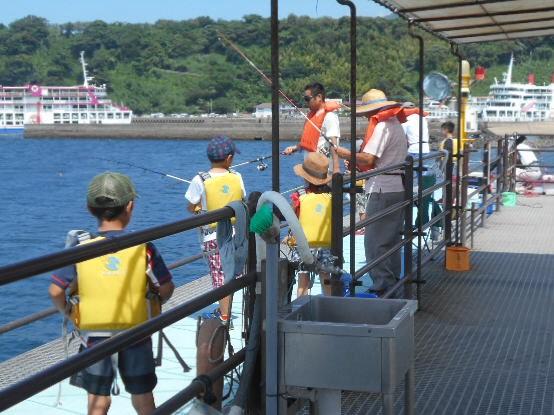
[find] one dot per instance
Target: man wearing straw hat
(385, 144)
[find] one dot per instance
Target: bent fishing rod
(225, 41)
(260, 160)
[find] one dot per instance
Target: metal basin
(353, 344)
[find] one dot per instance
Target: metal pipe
(31, 385)
(337, 248)
(368, 267)
(408, 222)
(463, 197)
(198, 387)
(353, 149)
(448, 194)
(275, 95)
(486, 176)
(27, 268)
(271, 303)
(375, 172)
(421, 69)
(472, 221)
(375, 217)
(459, 206)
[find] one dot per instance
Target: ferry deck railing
(31, 385)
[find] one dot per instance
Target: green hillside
(180, 66)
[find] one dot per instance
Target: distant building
(264, 110)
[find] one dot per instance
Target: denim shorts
(136, 368)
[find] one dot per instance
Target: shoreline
(192, 129)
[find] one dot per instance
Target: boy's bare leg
(303, 284)
(98, 404)
(325, 279)
(143, 403)
(225, 307)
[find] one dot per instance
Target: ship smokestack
(531, 79)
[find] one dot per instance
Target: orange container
(457, 258)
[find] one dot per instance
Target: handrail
(39, 315)
(27, 268)
(50, 376)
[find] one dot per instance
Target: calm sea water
(43, 186)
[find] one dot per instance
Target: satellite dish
(437, 86)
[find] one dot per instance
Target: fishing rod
(225, 41)
(260, 160)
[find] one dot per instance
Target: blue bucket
(366, 295)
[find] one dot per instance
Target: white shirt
(196, 193)
(411, 128)
(388, 143)
(527, 157)
(331, 128)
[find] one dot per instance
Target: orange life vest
(312, 128)
(382, 116)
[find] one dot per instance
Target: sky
(142, 11)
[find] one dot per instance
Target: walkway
(484, 338)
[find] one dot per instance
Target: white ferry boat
(37, 104)
(512, 102)
(440, 111)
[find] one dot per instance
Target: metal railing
(410, 231)
(31, 385)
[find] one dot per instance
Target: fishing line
(225, 41)
(260, 160)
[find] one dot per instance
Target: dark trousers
(381, 236)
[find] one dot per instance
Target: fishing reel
(261, 166)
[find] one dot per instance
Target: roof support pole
(353, 149)
(275, 95)
(458, 147)
(420, 207)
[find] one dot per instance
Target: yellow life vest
(112, 291)
(315, 219)
(220, 190)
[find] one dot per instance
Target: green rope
(262, 219)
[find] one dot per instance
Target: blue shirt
(63, 277)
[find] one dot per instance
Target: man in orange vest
(322, 125)
(385, 144)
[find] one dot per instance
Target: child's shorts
(136, 368)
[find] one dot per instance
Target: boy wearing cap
(312, 205)
(213, 190)
(113, 293)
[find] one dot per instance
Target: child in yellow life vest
(313, 208)
(113, 294)
(213, 190)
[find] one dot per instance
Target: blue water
(43, 186)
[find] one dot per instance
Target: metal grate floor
(484, 338)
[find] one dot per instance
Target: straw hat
(314, 169)
(373, 100)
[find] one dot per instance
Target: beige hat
(314, 169)
(372, 100)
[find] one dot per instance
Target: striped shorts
(214, 262)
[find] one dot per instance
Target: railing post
(447, 196)
(486, 176)
(499, 163)
(463, 196)
(337, 248)
(505, 164)
(473, 209)
(409, 225)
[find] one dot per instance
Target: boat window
(1, 116)
(118, 115)
(18, 116)
(92, 115)
(101, 115)
(66, 116)
(83, 115)
(66, 122)
(9, 116)
(74, 122)
(110, 115)
(126, 115)
(57, 115)
(74, 116)
(57, 122)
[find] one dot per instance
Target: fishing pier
(466, 330)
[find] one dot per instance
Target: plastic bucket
(457, 258)
(366, 295)
(509, 198)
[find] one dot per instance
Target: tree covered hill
(180, 66)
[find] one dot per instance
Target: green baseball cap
(110, 189)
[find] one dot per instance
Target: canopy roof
(469, 21)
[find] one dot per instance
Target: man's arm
(364, 160)
(334, 155)
(57, 294)
(291, 149)
(194, 207)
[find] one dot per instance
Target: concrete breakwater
(191, 129)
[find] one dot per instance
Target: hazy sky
(61, 11)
